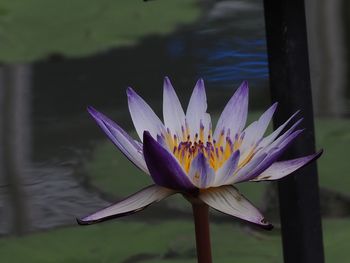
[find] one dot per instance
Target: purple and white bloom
(185, 155)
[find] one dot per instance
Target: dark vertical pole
(290, 86)
(13, 139)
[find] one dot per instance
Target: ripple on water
(54, 197)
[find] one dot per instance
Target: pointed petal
(228, 200)
(255, 131)
(271, 157)
(270, 138)
(249, 139)
(279, 170)
(234, 116)
(129, 205)
(174, 116)
(163, 167)
(200, 172)
(264, 121)
(281, 139)
(143, 116)
(121, 139)
(197, 110)
(245, 171)
(227, 170)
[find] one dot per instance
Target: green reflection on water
(33, 29)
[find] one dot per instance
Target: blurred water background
(57, 57)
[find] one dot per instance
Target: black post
(290, 86)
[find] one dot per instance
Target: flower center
(216, 151)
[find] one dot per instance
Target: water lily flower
(185, 155)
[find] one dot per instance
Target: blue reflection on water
(224, 60)
(238, 59)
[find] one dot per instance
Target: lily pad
(34, 29)
(119, 241)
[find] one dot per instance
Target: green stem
(201, 222)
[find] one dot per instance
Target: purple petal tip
(200, 83)
(167, 80)
(82, 222)
(268, 227)
(243, 89)
(90, 109)
(130, 92)
(245, 84)
(93, 112)
(167, 83)
(317, 155)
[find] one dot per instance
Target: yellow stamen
(221, 138)
(217, 153)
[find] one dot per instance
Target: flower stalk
(201, 222)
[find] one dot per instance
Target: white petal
(228, 200)
(227, 170)
(143, 116)
(255, 131)
(249, 140)
(279, 170)
(174, 116)
(128, 146)
(131, 204)
(264, 120)
(281, 139)
(234, 116)
(197, 110)
(269, 139)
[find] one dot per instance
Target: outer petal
(143, 116)
(284, 137)
(228, 200)
(200, 172)
(234, 116)
(129, 205)
(264, 120)
(271, 157)
(196, 110)
(279, 170)
(174, 116)
(227, 170)
(130, 148)
(164, 168)
(269, 139)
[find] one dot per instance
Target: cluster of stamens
(215, 151)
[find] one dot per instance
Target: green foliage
(333, 135)
(118, 241)
(33, 29)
